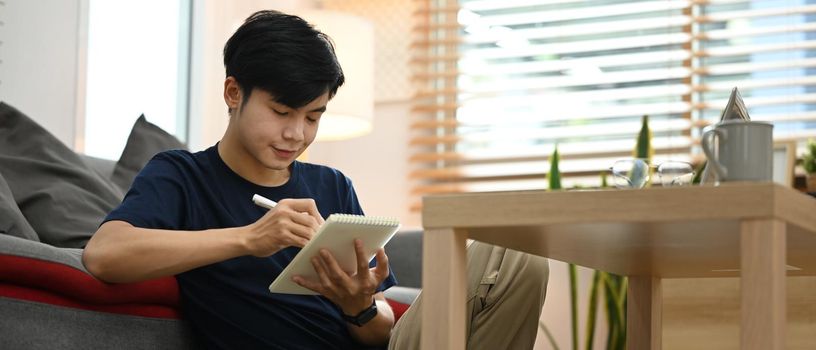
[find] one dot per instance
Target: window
(501, 82)
(137, 64)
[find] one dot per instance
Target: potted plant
(809, 164)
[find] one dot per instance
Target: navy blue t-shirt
(228, 303)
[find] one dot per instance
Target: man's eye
(279, 112)
(312, 120)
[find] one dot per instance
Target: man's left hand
(352, 294)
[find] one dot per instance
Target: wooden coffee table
(753, 230)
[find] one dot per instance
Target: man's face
(276, 134)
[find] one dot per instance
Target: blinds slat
(488, 5)
(530, 17)
(606, 146)
(533, 84)
(754, 49)
(581, 29)
(786, 117)
(478, 158)
(744, 68)
(760, 101)
(743, 32)
(600, 62)
(583, 97)
(529, 132)
(757, 84)
(585, 46)
(756, 13)
(490, 122)
(610, 112)
(426, 59)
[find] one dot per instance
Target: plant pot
(811, 182)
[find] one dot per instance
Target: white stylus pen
(262, 201)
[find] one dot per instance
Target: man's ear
(232, 93)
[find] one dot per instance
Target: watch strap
(363, 317)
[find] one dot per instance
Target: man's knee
(530, 272)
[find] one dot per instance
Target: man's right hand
(292, 223)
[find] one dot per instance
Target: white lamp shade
(350, 113)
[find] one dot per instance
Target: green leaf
(643, 148)
(698, 173)
(573, 283)
(593, 310)
(615, 290)
(555, 174)
(809, 158)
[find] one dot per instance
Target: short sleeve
(156, 198)
(352, 204)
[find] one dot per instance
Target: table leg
(644, 312)
(444, 289)
(763, 248)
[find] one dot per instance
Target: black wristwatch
(363, 317)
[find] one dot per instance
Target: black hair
(284, 56)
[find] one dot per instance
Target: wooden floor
(704, 313)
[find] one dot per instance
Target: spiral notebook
(337, 235)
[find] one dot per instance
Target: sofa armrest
(15, 246)
(39, 272)
(404, 295)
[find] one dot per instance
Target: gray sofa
(51, 201)
(26, 324)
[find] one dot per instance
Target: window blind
(501, 82)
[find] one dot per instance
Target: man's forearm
(121, 253)
(378, 330)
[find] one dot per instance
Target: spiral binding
(363, 220)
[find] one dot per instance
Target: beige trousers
(505, 294)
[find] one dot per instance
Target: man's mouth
(284, 153)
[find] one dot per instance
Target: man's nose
(294, 130)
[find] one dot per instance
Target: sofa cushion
(405, 257)
(37, 266)
(12, 221)
(145, 140)
(39, 326)
(63, 199)
(103, 167)
(398, 308)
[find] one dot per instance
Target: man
(191, 214)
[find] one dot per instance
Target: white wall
(377, 163)
(40, 54)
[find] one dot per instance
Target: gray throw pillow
(145, 140)
(61, 197)
(12, 221)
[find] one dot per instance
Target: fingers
(299, 229)
(303, 205)
(306, 220)
(291, 225)
(320, 268)
(324, 284)
(333, 269)
(381, 271)
(311, 285)
(362, 263)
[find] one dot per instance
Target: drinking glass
(636, 173)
